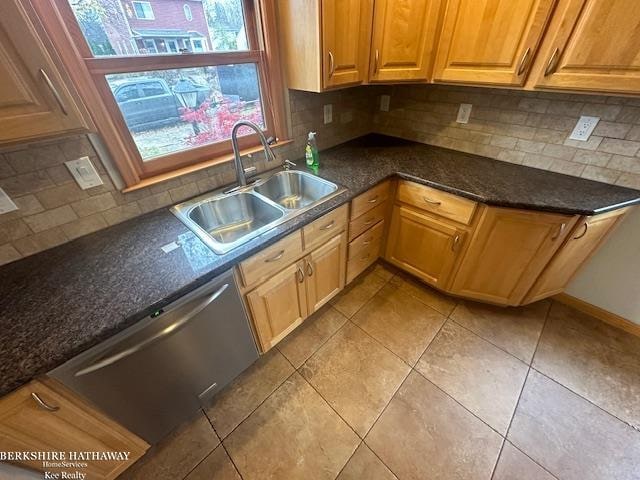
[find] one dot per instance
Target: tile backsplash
(54, 210)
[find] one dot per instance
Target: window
(187, 12)
(158, 110)
(143, 10)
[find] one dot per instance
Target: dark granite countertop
(62, 301)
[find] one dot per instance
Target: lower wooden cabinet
(507, 252)
(45, 416)
(585, 238)
(423, 245)
(325, 270)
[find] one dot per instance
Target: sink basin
(293, 189)
(229, 220)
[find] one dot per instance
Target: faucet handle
(288, 164)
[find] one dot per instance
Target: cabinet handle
(586, 227)
(456, 240)
(552, 64)
(368, 241)
(300, 273)
(331, 64)
(559, 232)
(309, 269)
(524, 61)
(374, 199)
(376, 59)
(42, 404)
(432, 202)
(328, 225)
(275, 258)
(368, 222)
(54, 91)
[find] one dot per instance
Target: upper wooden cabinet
(404, 35)
(34, 99)
(592, 45)
(44, 416)
(490, 41)
(325, 43)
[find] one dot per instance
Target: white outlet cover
(464, 112)
(328, 114)
(6, 204)
(584, 128)
(84, 173)
(385, 100)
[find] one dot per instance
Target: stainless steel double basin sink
(226, 220)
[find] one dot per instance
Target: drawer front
(272, 259)
(436, 201)
(326, 227)
(371, 236)
(367, 256)
(366, 221)
(369, 199)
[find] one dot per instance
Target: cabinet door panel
(404, 35)
(26, 426)
(507, 252)
(279, 305)
(423, 246)
(34, 101)
(325, 270)
(346, 33)
(592, 45)
(490, 41)
(586, 237)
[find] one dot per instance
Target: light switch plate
(6, 204)
(83, 171)
(328, 114)
(385, 100)
(584, 128)
(464, 112)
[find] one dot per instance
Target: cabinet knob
(584, 232)
(42, 404)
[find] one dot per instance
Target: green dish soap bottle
(311, 152)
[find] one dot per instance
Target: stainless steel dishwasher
(159, 372)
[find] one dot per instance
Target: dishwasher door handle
(168, 330)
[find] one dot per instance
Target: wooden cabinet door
(422, 245)
(584, 240)
(34, 100)
(325, 270)
(490, 41)
(72, 426)
(507, 252)
(404, 37)
(592, 45)
(346, 36)
(279, 305)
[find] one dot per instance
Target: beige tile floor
(395, 380)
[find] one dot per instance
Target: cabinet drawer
(364, 258)
(366, 221)
(369, 199)
(318, 231)
(371, 236)
(436, 201)
(272, 259)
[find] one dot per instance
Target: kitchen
(440, 283)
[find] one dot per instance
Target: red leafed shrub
(215, 120)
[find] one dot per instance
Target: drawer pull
(328, 225)
(559, 232)
(275, 258)
(367, 241)
(42, 404)
(369, 222)
(454, 245)
(432, 202)
(374, 199)
(309, 269)
(586, 227)
(300, 273)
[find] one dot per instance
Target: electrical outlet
(328, 114)
(584, 128)
(385, 100)
(83, 171)
(464, 112)
(6, 204)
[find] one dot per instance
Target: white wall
(611, 278)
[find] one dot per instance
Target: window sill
(147, 182)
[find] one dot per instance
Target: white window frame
(202, 40)
(152, 40)
(148, 4)
(174, 42)
(187, 8)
